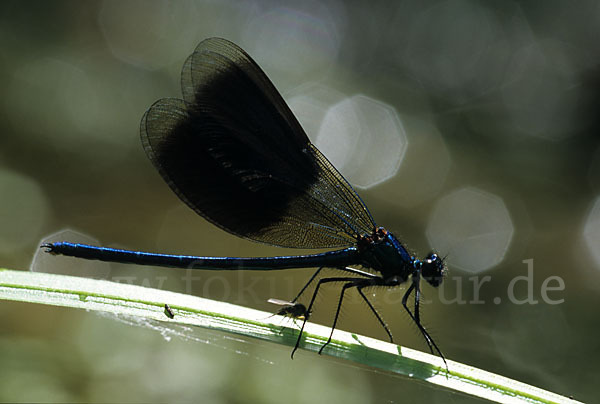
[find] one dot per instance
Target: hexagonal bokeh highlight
(152, 35)
(52, 95)
(543, 96)
(459, 60)
(294, 40)
(53, 264)
(591, 231)
(364, 139)
(473, 227)
(309, 102)
(508, 333)
(24, 210)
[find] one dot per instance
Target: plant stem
(146, 303)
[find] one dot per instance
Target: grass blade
(147, 303)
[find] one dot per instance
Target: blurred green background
(469, 127)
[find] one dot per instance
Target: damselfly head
(433, 269)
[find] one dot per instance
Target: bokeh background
(468, 127)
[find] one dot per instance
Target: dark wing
(234, 152)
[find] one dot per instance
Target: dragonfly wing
(234, 152)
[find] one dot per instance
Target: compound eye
(433, 269)
(431, 257)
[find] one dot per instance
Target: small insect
(169, 311)
(289, 309)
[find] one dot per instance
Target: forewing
(234, 152)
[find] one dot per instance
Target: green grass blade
(146, 303)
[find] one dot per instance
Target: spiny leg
(337, 312)
(414, 318)
(312, 278)
(359, 284)
(430, 342)
(346, 269)
(312, 300)
(416, 281)
(383, 324)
